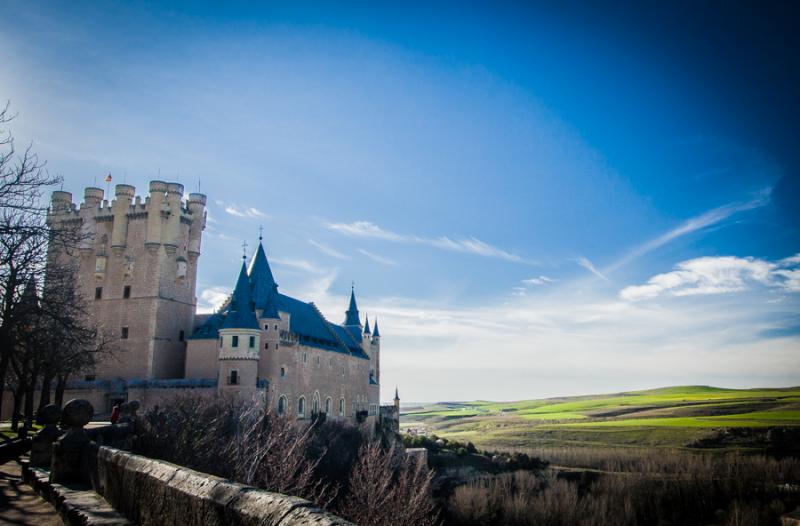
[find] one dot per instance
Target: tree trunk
(3, 370)
(18, 394)
(44, 398)
(30, 393)
(61, 385)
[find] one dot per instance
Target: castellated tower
(137, 269)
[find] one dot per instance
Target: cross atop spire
(244, 249)
(260, 233)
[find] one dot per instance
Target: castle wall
(202, 358)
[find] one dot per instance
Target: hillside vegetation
(689, 416)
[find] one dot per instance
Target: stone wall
(152, 492)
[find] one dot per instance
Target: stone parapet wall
(153, 492)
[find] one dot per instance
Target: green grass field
(669, 417)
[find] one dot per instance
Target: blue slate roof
(366, 324)
(305, 320)
(375, 332)
(241, 314)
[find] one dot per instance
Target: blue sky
(534, 200)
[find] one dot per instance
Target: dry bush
(388, 489)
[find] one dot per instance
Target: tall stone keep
(137, 269)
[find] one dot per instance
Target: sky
(533, 199)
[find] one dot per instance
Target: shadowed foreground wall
(153, 492)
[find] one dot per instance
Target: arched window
(315, 404)
(301, 407)
(328, 405)
(341, 407)
(282, 404)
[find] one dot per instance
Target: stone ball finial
(48, 415)
(77, 413)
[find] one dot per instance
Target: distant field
(670, 417)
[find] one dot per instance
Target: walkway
(19, 505)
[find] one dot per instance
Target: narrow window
(181, 336)
(305, 357)
(126, 292)
(276, 327)
(283, 372)
(301, 407)
(266, 327)
(266, 346)
(252, 341)
(343, 371)
(317, 361)
(220, 341)
(234, 378)
(234, 341)
(124, 333)
(282, 405)
(328, 406)
(341, 407)
(98, 293)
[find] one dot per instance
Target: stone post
(71, 451)
(42, 444)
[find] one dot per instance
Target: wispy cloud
(242, 211)
(719, 275)
(541, 280)
(211, 299)
(328, 250)
(588, 265)
(299, 264)
(377, 257)
(469, 245)
(704, 220)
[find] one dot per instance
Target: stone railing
(142, 490)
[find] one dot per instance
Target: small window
(98, 293)
(283, 372)
(317, 361)
(282, 405)
(266, 327)
(89, 378)
(330, 362)
(343, 371)
(181, 336)
(234, 341)
(341, 407)
(234, 378)
(252, 341)
(301, 407)
(266, 346)
(124, 333)
(305, 357)
(220, 341)
(126, 291)
(328, 405)
(276, 327)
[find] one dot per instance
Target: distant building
(137, 268)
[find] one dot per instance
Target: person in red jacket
(115, 414)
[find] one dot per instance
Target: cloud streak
(377, 257)
(242, 211)
(588, 265)
(468, 245)
(718, 275)
(704, 220)
(328, 250)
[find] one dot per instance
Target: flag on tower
(108, 178)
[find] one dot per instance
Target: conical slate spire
(352, 318)
(263, 284)
(366, 324)
(396, 395)
(375, 332)
(241, 315)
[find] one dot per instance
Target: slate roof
(305, 320)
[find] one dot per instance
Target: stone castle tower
(137, 267)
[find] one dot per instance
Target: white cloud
(328, 250)
(541, 280)
(212, 298)
(469, 245)
(377, 257)
(242, 211)
(718, 275)
(299, 264)
(704, 220)
(588, 265)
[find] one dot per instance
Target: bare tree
(388, 489)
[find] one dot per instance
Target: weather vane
(260, 232)
(244, 249)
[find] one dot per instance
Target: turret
(197, 206)
(155, 204)
(92, 197)
(240, 341)
(352, 318)
(396, 400)
(375, 350)
(122, 205)
(171, 234)
(60, 202)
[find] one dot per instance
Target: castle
(137, 268)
